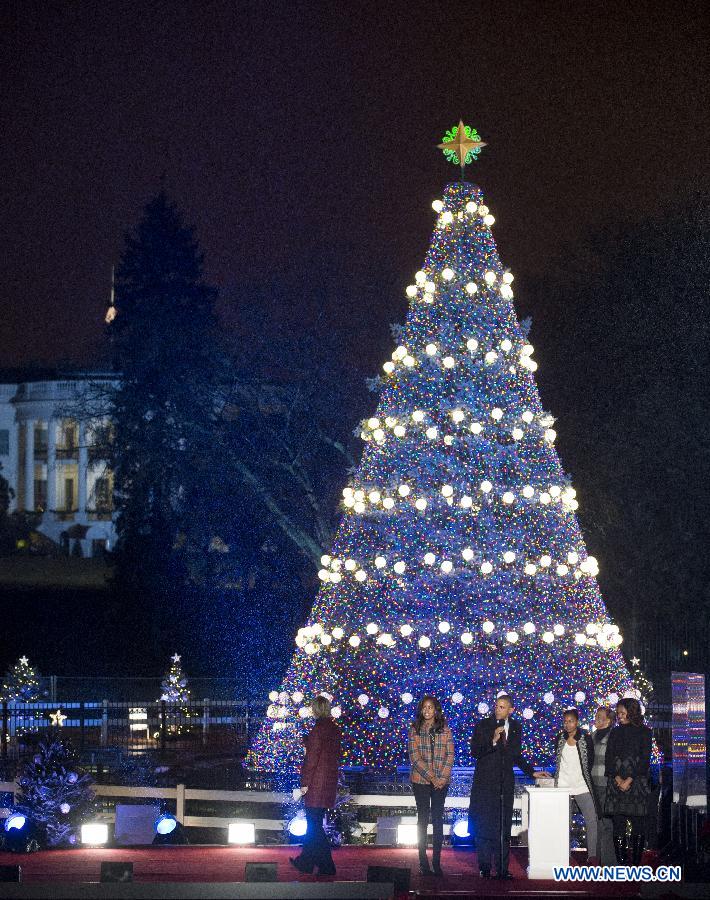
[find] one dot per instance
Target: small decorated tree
(55, 793)
(21, 682)
(176, 694)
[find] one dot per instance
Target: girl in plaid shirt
(431, 756)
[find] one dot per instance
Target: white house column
(29, 465)
(83, 468)
(51, 465)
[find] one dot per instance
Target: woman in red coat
(319, 784)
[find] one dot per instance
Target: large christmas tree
(459, 568)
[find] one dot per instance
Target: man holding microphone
(496, 746)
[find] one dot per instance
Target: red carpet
(212, 864)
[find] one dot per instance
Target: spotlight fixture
(241, 833)
(20, 834)
(168, 831)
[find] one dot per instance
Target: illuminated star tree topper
(461, 145)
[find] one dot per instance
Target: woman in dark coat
(319, 786)
(628, 762)
(574, 759)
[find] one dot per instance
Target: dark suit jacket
(494, 767)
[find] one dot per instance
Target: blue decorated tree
(55, 793)
(459, 568)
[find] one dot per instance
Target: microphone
(500, 723)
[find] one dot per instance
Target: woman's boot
(620, 848)
(637, 844)
(436, 861)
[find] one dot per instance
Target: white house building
(52, 434)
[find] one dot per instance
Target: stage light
(298, 826)
(168, 831)
(20, 834)
(460, 829)
(94, 833)
(407, 834)
(241, 833)
(166, 824)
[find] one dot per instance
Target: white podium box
(548, 830)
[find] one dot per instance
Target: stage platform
(208, 871)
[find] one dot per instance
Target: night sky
(299, 139)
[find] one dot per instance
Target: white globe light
(530, 569)
(508, 497)
(491, 357)
(406, 630)
(471, 207)
(549, 698)
(372, 628)
(558, 630)
(363, 699)
(472, 344)
(486, 487)
(483, 708)
(411, 290)
(297, 696)
(447, 217)
(544, 498)
(466, 502)
(592, 628)
(336, 712)
(550, 435)
(429, 287)
(424, 642)
(431, 349)
(374, 496)
(380, 562)
(518, 434)
(490, 277)
(431, 432)
(448, 362)
(471, 288)
(325, 559)
(509, 556)
(486, 568)
(446, 566)
(447, 274)
(350, 565)
(572, 558)
(444, 627)
(545, 561)
(360, 576)
(548, 637)
(404, 490)
(338, 633)
(399, 430)
(580, 697)
(613, 698)
(418, 415)
(388, 503)
(562, 569)
(304, 712)
(437, 206)
(354, 640)
(528, 491)
(476, 427)
(528, 713)
(383, 712)
(273, 696)
(488, 627)
(458, 415)
(508, 277)
(457, 697)
(378, 434)
(580, 638)
(512, 637)
(467, 553)
(488, 220)
(399, 566)
(420, 504)
(407, 698)
(429, 559)
(466, 638)
(529, 628)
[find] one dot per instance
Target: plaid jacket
(431, 755)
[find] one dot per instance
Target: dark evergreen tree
(163, 338)
(55, 793)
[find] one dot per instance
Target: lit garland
(459, 568)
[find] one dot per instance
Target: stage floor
(226, 864)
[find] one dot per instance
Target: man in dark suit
(496, 746)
